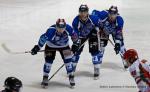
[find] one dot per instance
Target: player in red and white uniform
(139, 69)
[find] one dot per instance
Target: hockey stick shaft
(26, 52)
(114, 46)
(119, 52)
(56, 72)
(13, 52)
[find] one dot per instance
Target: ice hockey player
(57, 39)
(111, 24)
(12, 84)
(87, 27)
(139, 69)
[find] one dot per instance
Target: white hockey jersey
(140, 71)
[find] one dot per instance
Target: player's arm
(75, 25)
(144, 72)
(72, 33)
(146, 68)
(119, 34)
(101, 16)
(95, 21)
(42, 40)
(76, 43)
(135, 74)
(96, 12)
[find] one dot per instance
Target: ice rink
(23, 21)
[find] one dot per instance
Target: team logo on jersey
(107, 23)
(109, 28)
(57, 38)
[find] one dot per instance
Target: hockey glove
(75, 46)
(35, 50)
(117, 48)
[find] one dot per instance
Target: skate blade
(72, 87)
(96, 78)
(44, 86)
(125, 67)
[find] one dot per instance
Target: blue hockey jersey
(55, 39)
(108, 27)
(83, 29)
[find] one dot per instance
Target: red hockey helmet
(130, 55)
(113, 10)
(60, 23)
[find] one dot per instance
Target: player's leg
(76, 55)
(66, 55)
(94, 50)
(102, 43)
(97, 56)
(49, 57)
(97, 53)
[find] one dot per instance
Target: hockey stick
(114, 46)
(56, 72)
(64, 64)
(12, 52)
(125, 66)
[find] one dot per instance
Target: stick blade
(6, 48)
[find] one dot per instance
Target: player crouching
(56, 39)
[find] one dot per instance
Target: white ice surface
(23, 21)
